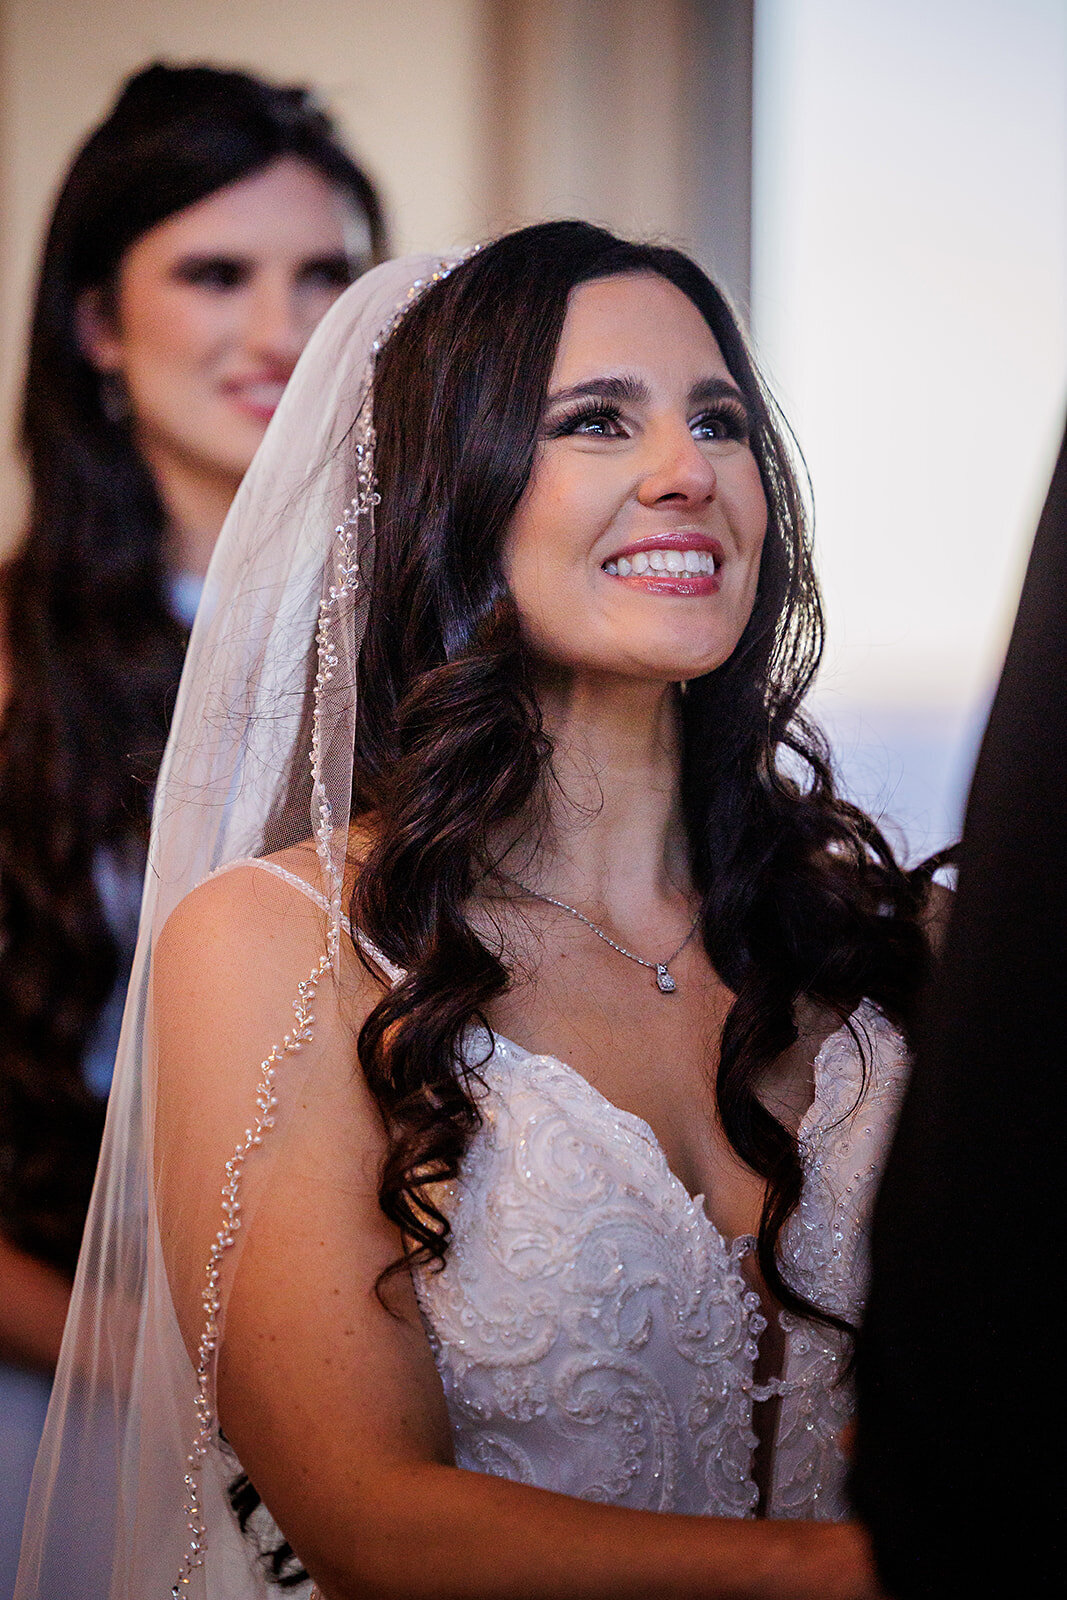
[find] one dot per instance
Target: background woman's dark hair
(95, 652)
(801, 895)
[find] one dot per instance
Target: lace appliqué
(844, 1140)
(594, 1332)
(266, 1100)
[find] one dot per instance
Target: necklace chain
(665, 983)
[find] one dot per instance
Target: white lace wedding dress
(592, 1328)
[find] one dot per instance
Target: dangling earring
(114, 401)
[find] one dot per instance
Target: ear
(98, 337)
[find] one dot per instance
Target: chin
(676, 665)
(230, 456)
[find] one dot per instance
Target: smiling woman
(672, 420)
(525, 1274)
(201, 326)
(199, 237)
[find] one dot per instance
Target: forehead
(637, 322)
(288, 205)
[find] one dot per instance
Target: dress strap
(371, 951)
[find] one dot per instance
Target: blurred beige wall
(472, 115)
(635, 113)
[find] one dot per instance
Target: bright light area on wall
(909, 305)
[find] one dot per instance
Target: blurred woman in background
(200, 235)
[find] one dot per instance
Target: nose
(274, 329)
(677, 472)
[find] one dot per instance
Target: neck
(195, 499)
(614, 843)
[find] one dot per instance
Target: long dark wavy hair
(95, 653)
(801, 896)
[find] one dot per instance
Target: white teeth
(655, 561)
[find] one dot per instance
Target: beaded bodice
(593, 1330)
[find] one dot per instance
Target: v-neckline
(730, 1251)
(644, 1127)
(733, 1248)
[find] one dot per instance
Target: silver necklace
(664, 982)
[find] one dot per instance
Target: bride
(518, 1021)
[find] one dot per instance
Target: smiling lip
(678, 539)
(682, 584)
(256, 397)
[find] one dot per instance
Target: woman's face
(213, 306)
(635, 549)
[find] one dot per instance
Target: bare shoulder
(253, 933)
(230, 972)
(239, 905)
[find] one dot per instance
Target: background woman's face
(213, 306)
(635, 550)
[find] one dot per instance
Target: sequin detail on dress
(594, 1332)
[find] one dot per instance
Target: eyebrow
(334, 258)
(632, 390)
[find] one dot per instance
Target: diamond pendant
(664, 982)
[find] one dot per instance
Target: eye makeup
(225, 273)
(729, 416)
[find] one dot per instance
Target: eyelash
(214, 274)
(224, 276)
(335, 274)
(732, 415)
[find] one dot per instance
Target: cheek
(755, 539)
(529, 564)
(538, 561)
(558, 520)
(749, 512)
(169, 332)
(748, 516)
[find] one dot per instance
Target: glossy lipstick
(684, 562)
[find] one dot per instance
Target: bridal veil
(129, 1497)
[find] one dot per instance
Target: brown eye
(726, 422)
(591, 422)
(331, 272)
(220, 273)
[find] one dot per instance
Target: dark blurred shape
(958, 1473)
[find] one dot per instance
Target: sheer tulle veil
(129, 1494)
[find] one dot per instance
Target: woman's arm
(33, 1309)
(333, 1402)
